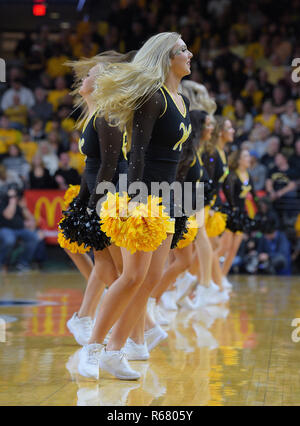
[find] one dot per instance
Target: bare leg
(83, 262)
(132, 314)
(104, 273)
(236, 242)
(205, 255)
(183, 258)
(116, 255)
(225, 243)
(216, 271)
(135, 268)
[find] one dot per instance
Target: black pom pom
(80, 227)
(180, 230)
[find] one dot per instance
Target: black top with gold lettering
(236, 190)
(160, 129)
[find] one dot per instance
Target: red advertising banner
(46, 206)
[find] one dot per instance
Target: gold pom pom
(189, 237)
(72, 247)
(70, 194)
(139, 227)
(216, 224)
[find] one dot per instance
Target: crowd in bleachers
(243, 51)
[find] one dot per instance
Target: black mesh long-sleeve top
(217, 168)
(160, 129)
(104, 147)
(236, 190)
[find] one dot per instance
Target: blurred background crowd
(243, 53)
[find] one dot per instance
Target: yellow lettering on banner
(186, 133)
(50, 207)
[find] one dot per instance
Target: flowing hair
(81, 69)
(210, 146)
(234, 158)
(198, 96)
(124, 87)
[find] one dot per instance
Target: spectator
(28, 147)
(8, 136)
(258, 172)
(42, 109)
(287, 146)
(66, 175)
(17, 113)
(7, 178)
(294, 161)
(243, 119)
(267, 118)
(56, 63)
(13, 213)
(17, 163)
(49, 158)
(290, 117)
(24, 94)
(36, 131)
(273, 146)
(258, 137)
(274, 252)
(281, 186)
(57, 95)
(39, 176)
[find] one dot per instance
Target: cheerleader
(143, 97)
(237, 185)
(215, 161)
(101, 144)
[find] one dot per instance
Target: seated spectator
(56, 64)
(273, 146)
(67, 122)
(252, 94)
(281, 186)
(35, 63)
(17, 114)
(267, 118)
(66, 175)
(294, 161)
(17, 163)
(54, 141)
(55, 125)
(8, 136)
(39, 176)
(42, 109)
(17, 89)
(56, 96)
(243, 119)
(287, 146)
(36, 131)
(7, 178)
(49, 157)
(13, 213)
(274, 251)
(258, 137)
(258, 172)
(290, 117)
(28, 147)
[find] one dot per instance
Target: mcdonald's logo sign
(46, 207)
(50, 209)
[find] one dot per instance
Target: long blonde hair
(81, 69)
(123, 88)
(198, 96)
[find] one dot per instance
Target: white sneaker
(154, 336)
(226, 284)
(200, 299)
(135, 351)
(115, 363)
(89, 358)
(185, 285)
(167, 301)
(159, 316)
(81, 328)
(187, 303)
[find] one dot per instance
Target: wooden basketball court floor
(243, 353)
